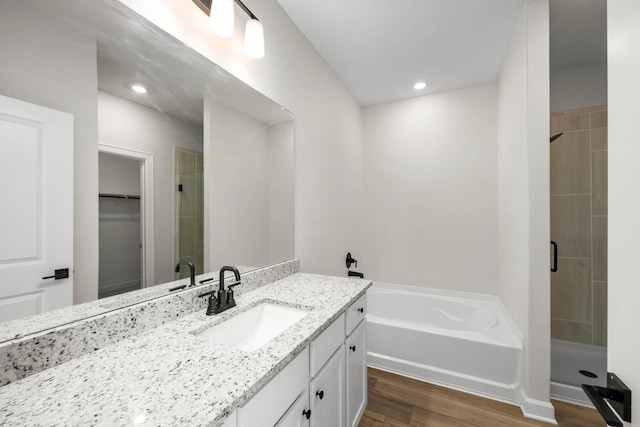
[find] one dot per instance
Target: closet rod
(118, 196)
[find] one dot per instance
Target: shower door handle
(554, 267)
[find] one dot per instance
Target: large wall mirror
(199, 168)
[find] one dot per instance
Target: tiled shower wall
(189, 209)
(579, 225)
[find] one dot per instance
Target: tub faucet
(192, 271)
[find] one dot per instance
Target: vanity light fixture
(138, 88)
(221, 21)
(419, 85)
(221, 17)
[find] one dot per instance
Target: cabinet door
(327, 393)
(356, 375)
(298, 414)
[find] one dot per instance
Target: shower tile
(199, 163)
(186, 161)
(600, 248)
(571, 290)
(600, 313)
(199, 223)
(187, 237)
(571, 331)
(199, 258)
(599, 139)
(570, 122)
(599, 119)
(571, 225)
(599, 177)
(570, 164)
(199, 177)
(187, 196)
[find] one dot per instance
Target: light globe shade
(254, 39)
(221, 17)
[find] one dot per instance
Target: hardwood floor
(396, 401)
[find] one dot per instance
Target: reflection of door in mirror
(189, 209)
(120, 237)
(36, 219)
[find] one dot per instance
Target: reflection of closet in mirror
(189, 209)
(120, 265)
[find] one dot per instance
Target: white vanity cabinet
(324, 386)
(356, 363)
(268, 406)
(327, 393)
(356, 375)
(298, 415)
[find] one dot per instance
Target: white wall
(623, 39)
(430, 191)
(523, 198)
(328, 129)
(118, 175)
(579, 87)
(281, 191)
(237, 149)
(149, 131)
(35, 52)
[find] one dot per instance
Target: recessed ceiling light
(419, 85)
(139, 89)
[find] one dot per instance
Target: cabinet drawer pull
(361, 310)
(307, 413)
(320, 394)
(352, 348)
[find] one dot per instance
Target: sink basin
(251, 329)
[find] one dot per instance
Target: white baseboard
(540, 410)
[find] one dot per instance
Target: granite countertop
(170, 377)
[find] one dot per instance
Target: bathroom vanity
(313, 373)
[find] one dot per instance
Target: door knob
(320, 394)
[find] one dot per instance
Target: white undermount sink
(251, 329)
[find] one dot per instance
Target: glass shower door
(579, 226)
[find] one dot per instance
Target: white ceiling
(578, 32)
(380, 48)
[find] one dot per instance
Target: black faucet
(192, 271)
(225, 299)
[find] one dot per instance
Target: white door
(36, 209)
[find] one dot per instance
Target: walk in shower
(578, 193)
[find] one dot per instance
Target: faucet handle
(230, 298)
(213, 302)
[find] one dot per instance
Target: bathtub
(456, 339)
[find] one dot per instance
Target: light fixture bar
(205, 6)
(246, 10)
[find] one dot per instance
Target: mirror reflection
(195, 167)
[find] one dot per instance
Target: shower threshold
(567, 360)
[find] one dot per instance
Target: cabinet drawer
(355, 313)
(268, 405)
(326, 344)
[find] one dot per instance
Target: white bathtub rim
(507, 393)
(501, 311)
(462, 334)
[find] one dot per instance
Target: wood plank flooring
(396, 401)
